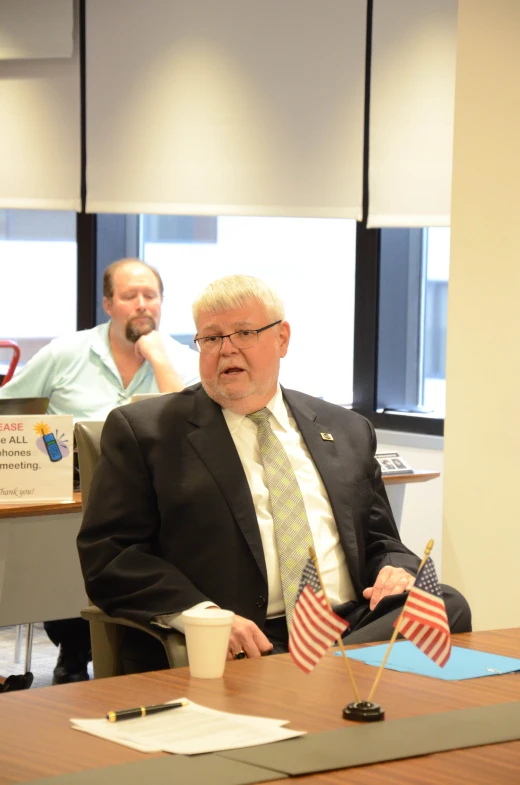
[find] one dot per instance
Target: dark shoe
(69, 669)
(20, 682)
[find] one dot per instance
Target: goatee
(134, 331)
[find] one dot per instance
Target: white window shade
(40, 162)
(235, 107)
(35, 28)
(411, 112)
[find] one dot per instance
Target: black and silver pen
(142, 711)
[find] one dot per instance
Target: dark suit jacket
(170, 520)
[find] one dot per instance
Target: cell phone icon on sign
(52, 447)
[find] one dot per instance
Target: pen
(142, 711)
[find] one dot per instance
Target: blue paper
(463, 663)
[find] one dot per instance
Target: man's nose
(226, 347)
(141, 302)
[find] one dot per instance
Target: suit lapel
(332, 472)
(215, 447)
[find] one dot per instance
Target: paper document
(463, 663)
(190, 730)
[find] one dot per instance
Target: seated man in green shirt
(89, 373)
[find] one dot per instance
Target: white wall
(481, 535)
(422, 509)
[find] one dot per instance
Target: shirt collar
(276, 406)
(100, 340)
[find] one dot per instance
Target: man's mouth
(140, 317)
(234, 369)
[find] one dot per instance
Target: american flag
(314, 627)
(424, 621)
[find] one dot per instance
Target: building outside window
(38, 273)
(311, 263)
(413, 298)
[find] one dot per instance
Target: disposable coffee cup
(207, 639)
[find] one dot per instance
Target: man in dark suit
(182, 510)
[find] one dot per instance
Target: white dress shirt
(331, 558)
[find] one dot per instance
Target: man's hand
(391, 580)
(150, 347)
(246, 636)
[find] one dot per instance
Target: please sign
(36, 458)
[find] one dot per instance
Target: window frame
(92, 230)
(367, 293)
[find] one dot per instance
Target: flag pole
(312, 554)
(427, 552)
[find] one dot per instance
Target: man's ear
(284, 336)
(107, 305)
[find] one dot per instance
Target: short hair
(235, 291)
(108, 275)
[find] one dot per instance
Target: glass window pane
(437, 241)
(38, 261)
(413, 297)
(310, 261)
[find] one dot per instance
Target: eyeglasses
(241, 339)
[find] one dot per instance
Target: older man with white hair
(211, 497)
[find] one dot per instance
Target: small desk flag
(423, 620)
(314, 626)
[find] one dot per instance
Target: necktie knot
(261, 417)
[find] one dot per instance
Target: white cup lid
(212, 617)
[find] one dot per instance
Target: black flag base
(363, 711)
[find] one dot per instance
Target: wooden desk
(26, 510)
(402, 479)
(37, 740)
(395, 487)
(29, 510)
(40, 576)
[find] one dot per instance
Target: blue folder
(463, 663)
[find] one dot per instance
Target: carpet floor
(44, 655)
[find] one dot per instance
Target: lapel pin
(327, 437)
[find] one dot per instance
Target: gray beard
(133, 331)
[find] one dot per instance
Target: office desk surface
(40, 508)
(40, 576)
(47, 508)
(36, 740)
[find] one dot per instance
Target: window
(38, 255)
(311, 263)
(413, 291)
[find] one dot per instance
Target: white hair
(236, 291)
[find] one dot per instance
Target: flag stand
(312, 554)
(396, 629)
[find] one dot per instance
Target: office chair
(106, 631)
(10, 406)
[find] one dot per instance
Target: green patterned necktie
(291, 525)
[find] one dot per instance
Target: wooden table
(403, 479)
(30, 509)
(36, 740)
(395, 487)
(40, 576)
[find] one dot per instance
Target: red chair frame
(14, 362)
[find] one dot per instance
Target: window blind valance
(411, 112)
(40, 162)
(236, 107)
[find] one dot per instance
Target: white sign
(36, 458)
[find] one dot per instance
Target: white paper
(190, 730)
